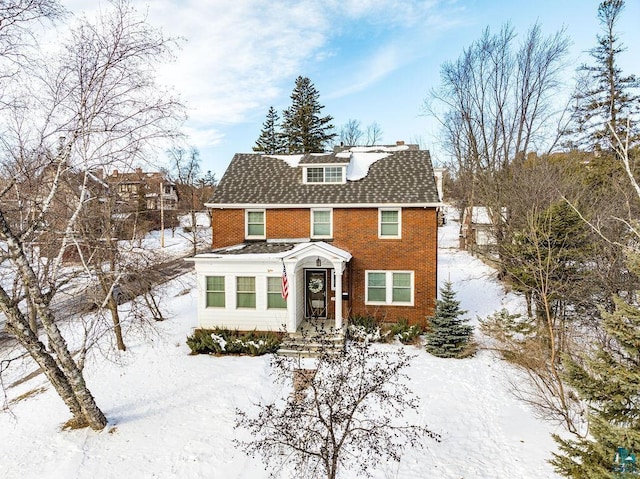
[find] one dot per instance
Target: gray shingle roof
(257, 247)
(403, 177)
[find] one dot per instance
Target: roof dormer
(324, 174)
(323, 168)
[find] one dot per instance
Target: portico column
(292, 299)
(338, 271)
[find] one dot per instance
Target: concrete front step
(301, 346)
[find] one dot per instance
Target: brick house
(355, 231)
(144, 190)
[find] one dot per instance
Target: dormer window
(324, 174)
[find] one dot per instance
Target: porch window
(390, 287)
(321, 223)
(255, 224)
(246, 292)
(215, 292)
(389, 223)
(274, 293)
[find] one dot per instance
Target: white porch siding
(261, 266)
(231, 316)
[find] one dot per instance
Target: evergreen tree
(303, 126)
(449, 336)
(271, 140)
(606, 96)
(609, 382)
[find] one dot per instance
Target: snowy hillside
(171, 415)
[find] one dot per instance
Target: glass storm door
(315, 293)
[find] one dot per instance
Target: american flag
(285, 283)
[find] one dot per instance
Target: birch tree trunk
(93, 106)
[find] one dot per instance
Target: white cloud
(239, 55)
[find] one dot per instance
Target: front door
(315, 293)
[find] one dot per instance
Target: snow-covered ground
(171, 415)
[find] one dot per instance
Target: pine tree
(606, 98)
(303, 127)
(609, 382)
(449, 336)
(271, 140)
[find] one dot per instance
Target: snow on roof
(482, 215)
(360, 158)
(369, 149)
(361, 162)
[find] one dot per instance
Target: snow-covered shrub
(365, 328)
(224, 341)
(404, 333)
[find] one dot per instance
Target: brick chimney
(400, 143)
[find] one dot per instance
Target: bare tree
(16, 28)
(350, 133)
(95, 105)
(495, 105)
(193, 190)
(347, 413)
(373, 134)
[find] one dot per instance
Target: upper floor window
(215, 292)
(321, 223)
(324, 174)
(390, 223)
(255, 224)
(389, 287)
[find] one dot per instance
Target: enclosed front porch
(273, 286)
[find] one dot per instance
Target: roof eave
(221, 206)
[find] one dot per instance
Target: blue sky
(371, 60)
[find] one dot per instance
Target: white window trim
(380, 235)
(266, 294)
(330, 235)
(237, 291)
(224, 291)
(388, 288)
(342, 181)
(246, 223)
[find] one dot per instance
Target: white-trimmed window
(324, 174)
(255, 224)
(321, 223)
(390, 287)
(246, 292)
(389, 222)
(274, 293)
(215, 292)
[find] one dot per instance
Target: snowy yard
(171, 415)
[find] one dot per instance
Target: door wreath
(315, 285)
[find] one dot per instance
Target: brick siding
(356, 231)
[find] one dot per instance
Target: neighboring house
(144, 190)
(355, 230)
(477, 231)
